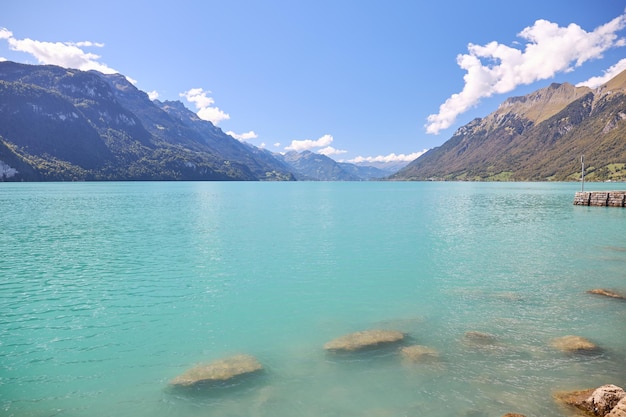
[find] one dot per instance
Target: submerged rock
(364, 340)
(607, 293)
(572, 398)
(220, 370)
(418, 353)
(479, 338)
(513, 415)
(574, 344)
(607, 400)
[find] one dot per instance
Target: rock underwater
(607, 293)
(364, 340)
(479, 338)
(419, 353)
(220, 370)
(574, 344)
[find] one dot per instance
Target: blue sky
(350, 79)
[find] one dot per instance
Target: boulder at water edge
(604, 399)
(574, 344)
(220, 370)
(364, 340)
(619, 410)
(608, 400)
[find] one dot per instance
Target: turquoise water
(109, 290)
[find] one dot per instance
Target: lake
(109, 290)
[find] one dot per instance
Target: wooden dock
(600, 198)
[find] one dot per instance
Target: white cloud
(610, 73)
(549, 49)
(213, 115)
(198, 97)
(153, 95)
(203, 104)
(277, 145)
(87, 43)
(329, 150)
(392, 157)
(307, 144)
(64, 54)
(5, 33)
(243, 136)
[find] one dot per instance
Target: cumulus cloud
(204, 105)
(277, 145)
(243, 136)
(392, 157)
(153, 95)
(495, 68)
(307, 144)
(329, 150)
(64, 54)
(610, 73)
(5, 33)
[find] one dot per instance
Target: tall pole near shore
(582, 176)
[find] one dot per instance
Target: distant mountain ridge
(537, 137)
(310, 166)
(59, 124)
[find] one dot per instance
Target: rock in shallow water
(364, 340)
(607, 400)
(607, 293)
(574, 344)
(418, 353)
(604, 399)
(479, 338)
(220, 370)
(619, 410)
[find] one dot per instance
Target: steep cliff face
(63, 124)
(541, 104)
(537, 137)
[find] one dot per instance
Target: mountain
(388, 167)
(537, 137)
(365, 172)
(59, 124)
(310, 166)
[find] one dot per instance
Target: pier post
(582, 175)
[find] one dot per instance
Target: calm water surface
(109, 290)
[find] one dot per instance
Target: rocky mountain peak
(615, 85)
(542, 104)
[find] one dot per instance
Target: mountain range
(59, 124)
(538, 137)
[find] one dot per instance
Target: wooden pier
(600, 198)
